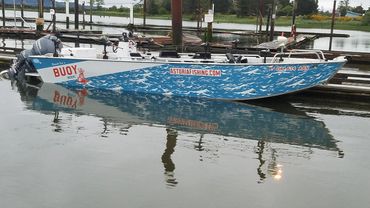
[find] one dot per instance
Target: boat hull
(215, 81)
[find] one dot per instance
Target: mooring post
(209, 25)
(144, 13)
(22, 13)
(268, 23)
(293, 29)
(294, 12)
(332, 24)
(83, 14)
(54, 16)
(77, 42)
(76, 15)
(40, 19)
(176, 11)
(67, 13)
(261, 14)
(198, 15)
(15, 15)
(91, 8)
(273, 17)
(3, 10)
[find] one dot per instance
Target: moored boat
(206, 75)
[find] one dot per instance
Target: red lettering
(69, 101)
(56, 96)
(74, 67)
(56, 72)
(74, 105)
(62, 71)
(69, 70)
(63, 99)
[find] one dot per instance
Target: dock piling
(273, 17)
(54, 16)
(144, 13)
(40, 19)
(22, 12)
(76, 15)
(176, 10)
(83, 15)
(67, 13)
(3, 10)
(332, 24)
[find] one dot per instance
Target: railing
(318, 53)
(29, 25)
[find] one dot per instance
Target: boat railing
(318, 53)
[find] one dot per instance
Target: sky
(328, 4)
(323, 4)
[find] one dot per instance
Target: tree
(98, 3)
(343, 7)
(153, 7)
(246, 7)
(305, 7)
(358, 9)
(286, 10)
(366, 19)
(189, 6)
(284, 3)
(222, 6)
(166, 5)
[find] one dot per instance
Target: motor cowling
(23, 64)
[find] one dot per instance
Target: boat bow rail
(317, 54)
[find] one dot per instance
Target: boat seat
(239, 59)
(169, 54)
(136, 55)
(244, 60)
(202, 55)
(230, 57)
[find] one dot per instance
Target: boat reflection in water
(197, 116)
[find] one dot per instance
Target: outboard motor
(42, 46)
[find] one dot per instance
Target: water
(358, 41)
(65, 148)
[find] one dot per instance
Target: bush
(366, 19)
(318, 17)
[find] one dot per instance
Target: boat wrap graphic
(219, 81)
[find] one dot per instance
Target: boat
(121, 67)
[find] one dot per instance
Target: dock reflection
(169, 166)
(196, 116)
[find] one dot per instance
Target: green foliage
(307, 7)
(222, 6)
(246, 8)
(343, 7)
(286, 10)
(366, 19)
(98, 3)
(153, 7)
(358, 9)
(166, 5)
(189, 6)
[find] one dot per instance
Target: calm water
(62, 147)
